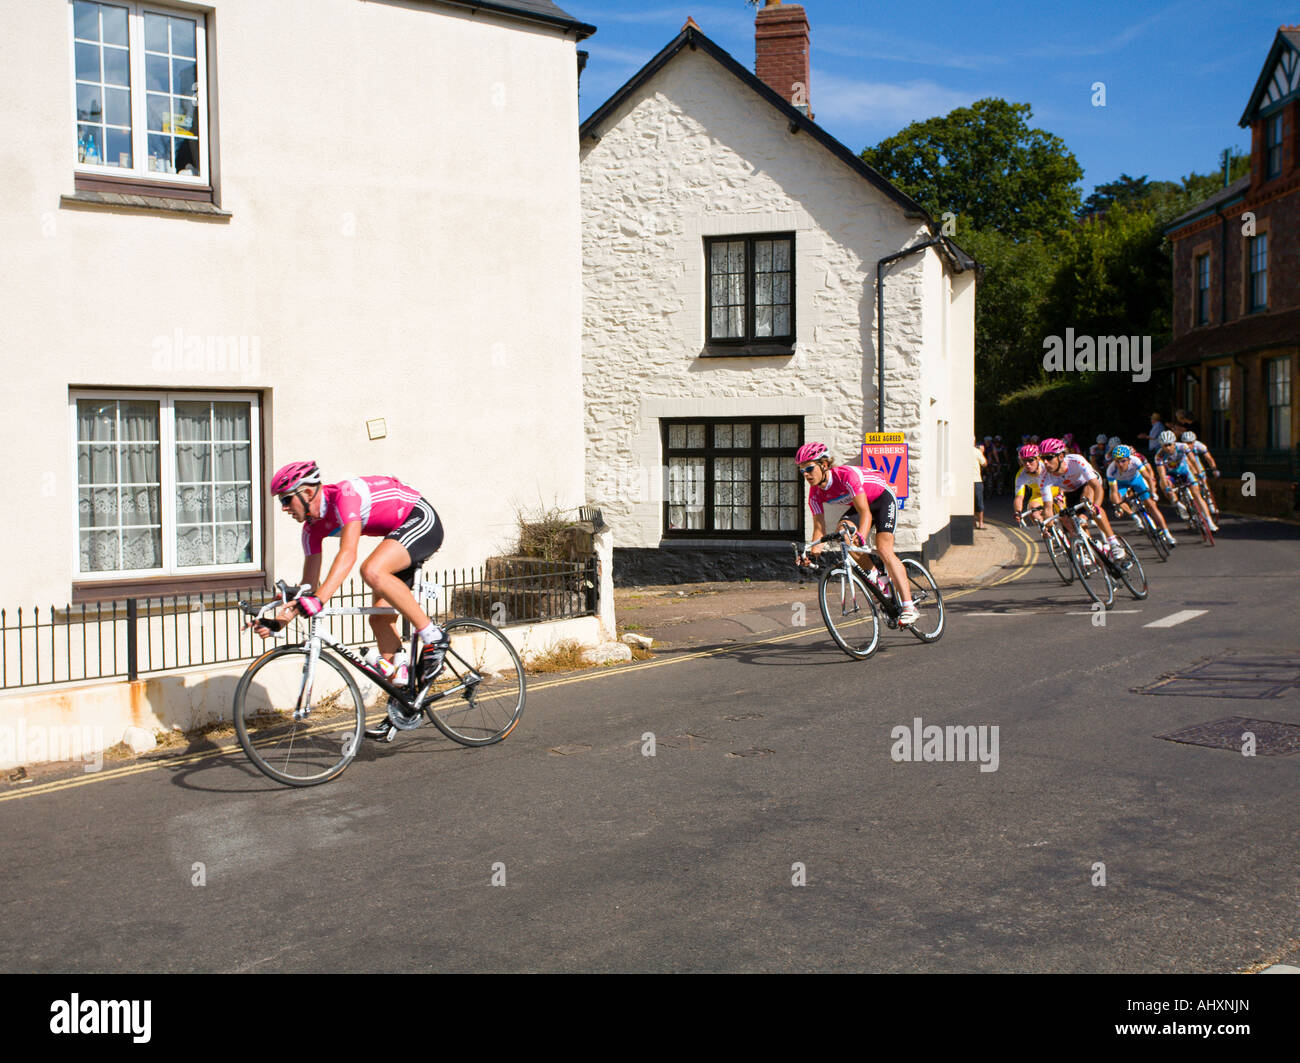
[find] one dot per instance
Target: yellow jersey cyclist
(1026, 487)
(410, 532)
(871, 504)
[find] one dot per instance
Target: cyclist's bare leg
(885, 548)
(379, 571)
(1156, 515)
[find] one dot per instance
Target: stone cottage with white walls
(730, 253)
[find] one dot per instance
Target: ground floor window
(1220, 405)
(167, 483)
(1279, 402)
(732, 478)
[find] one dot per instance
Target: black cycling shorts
(420, 535)
(884, 513)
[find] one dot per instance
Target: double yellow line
(1031, 558)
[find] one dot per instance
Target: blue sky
(1177, 75)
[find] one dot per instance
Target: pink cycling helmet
(294, 475)
(810, 452)
(1027, 451)
(1049, 446)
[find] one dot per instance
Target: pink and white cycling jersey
(845, 483)
(381, 503)
(1075, 472)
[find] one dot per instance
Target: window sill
(124, 194)
(166, 586)
(749, 350)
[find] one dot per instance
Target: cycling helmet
(1112, 442)
(1050, 446)
(1027, 451)
(1167, 437)
(1189, 437)
(1101, 438)
(1121, 452)
(810, 452)
(294, 475)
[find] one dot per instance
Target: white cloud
(891, 104)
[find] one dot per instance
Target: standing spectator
(980, 463)
(1152, 436)
(1184, 422)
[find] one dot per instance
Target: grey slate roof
(1224, 195)
(539, 10)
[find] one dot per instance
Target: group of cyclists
(1052, 478)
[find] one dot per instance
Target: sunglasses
(806, 469)
(286, 499)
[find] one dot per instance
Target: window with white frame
(167, 483)
(140, 90)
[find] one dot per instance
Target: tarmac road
(772, 763)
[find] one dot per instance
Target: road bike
(1128, 570)
(300, 715)
(1056, 544)
(1147, 523)
(853, 600)
(1198, 518)
(1085, 557)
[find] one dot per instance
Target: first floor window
(733, 478)
(1279, 402)
(1258, 258)
(1273, 144)
(141, 94)
(167, 483)
(1203, 289)
(750, 289)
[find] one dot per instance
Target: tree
(987, 166)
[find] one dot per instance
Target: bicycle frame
(407, 695)
(889, 603)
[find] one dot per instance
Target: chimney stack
(781, 47)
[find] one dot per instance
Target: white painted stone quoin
(696, 152)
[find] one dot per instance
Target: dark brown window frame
(749, 345)
(754, 451)
(1201, 311)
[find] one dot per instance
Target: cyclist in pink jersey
(871, 501)
(409, 530)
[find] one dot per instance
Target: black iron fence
(1265, 464)
(137, 636)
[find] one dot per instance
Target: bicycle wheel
(1133, 576)
(1153, 534)
(1203, 514)
(291, 750)
(849, 611)
(1092, 574)
(478, 696)
(1060, 556)
(928, 602)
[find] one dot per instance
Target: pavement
(713, 614)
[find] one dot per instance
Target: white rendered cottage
(730, 251)
(241, 233)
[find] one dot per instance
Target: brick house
(1236, 304)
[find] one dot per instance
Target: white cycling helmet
(1101, 438)
(1189, 437)
(1167, 437)
(1113, 442)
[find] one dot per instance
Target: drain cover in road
(1253, 677)
(1272, 739)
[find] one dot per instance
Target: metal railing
(131, 637)
(1266, 464)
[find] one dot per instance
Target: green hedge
(1083, 403)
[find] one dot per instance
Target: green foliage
(1113, 278)
(987, 166)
